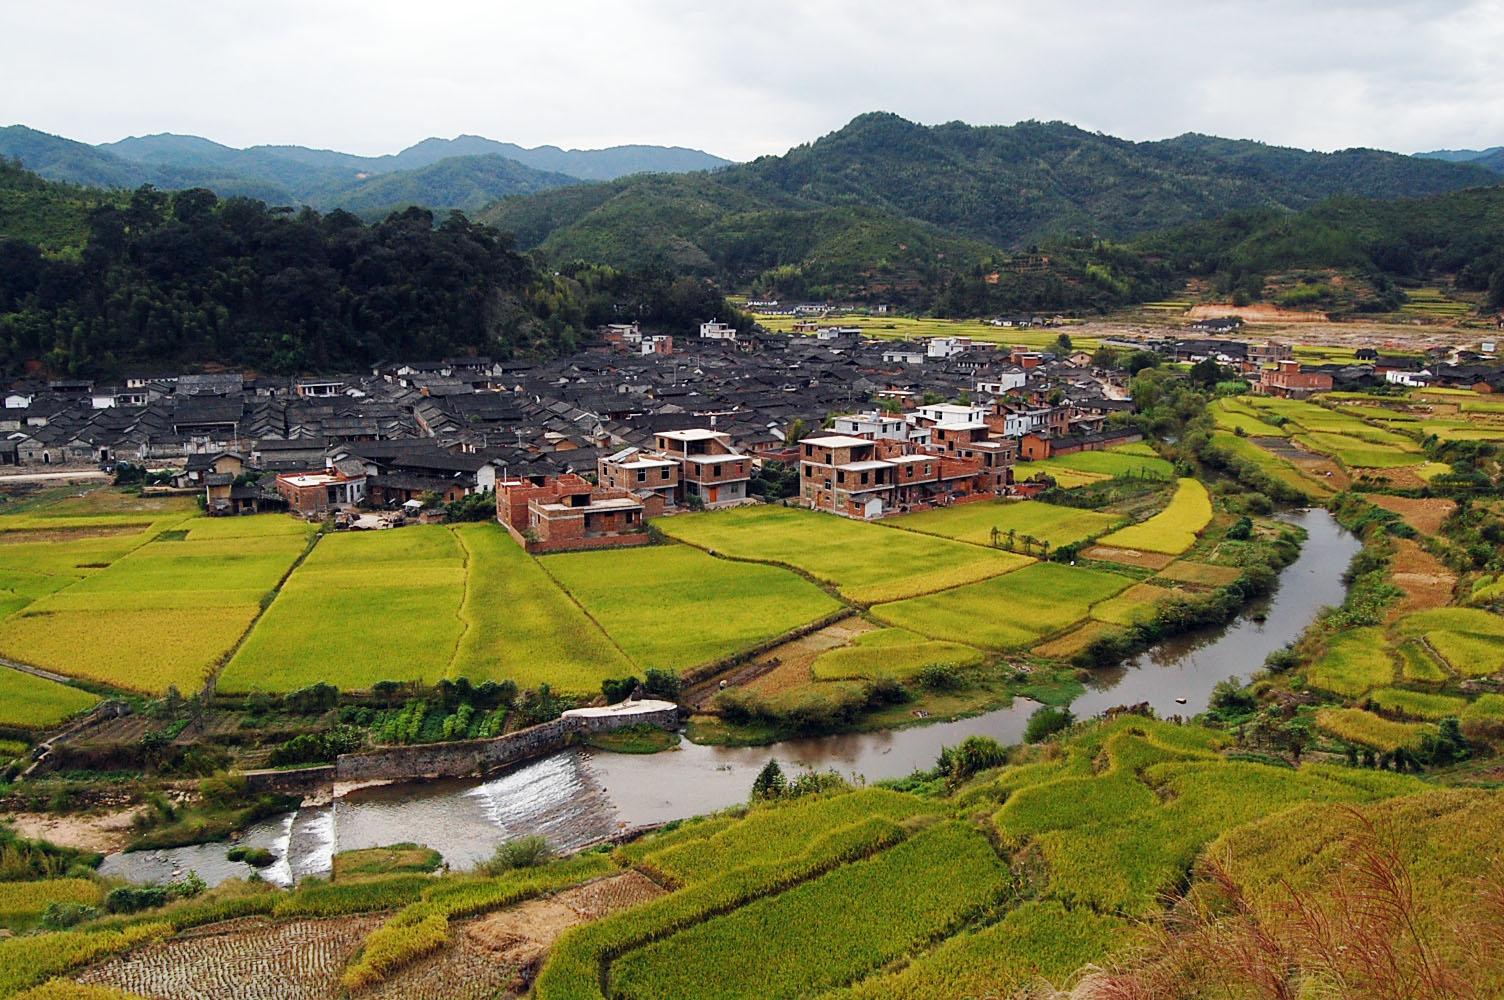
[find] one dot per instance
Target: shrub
(59, 916)
(970, 756)
(1046, 722)
(256, 857)
(663, 684)
(939, 677)
(523, 852)
(617, 690)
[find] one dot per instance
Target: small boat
(1180, 701)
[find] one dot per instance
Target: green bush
(523, 852)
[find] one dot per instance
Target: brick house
(857, 477)
(709, 468)
(558, 513)
(318, 493)
(650, 475)
(1289, 382)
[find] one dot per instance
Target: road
(79, 476)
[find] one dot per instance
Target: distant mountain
(1002, 186)
(1491, 158)
(474, 171)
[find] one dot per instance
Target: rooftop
(835, 441)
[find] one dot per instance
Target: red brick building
(556, 513)
(857, 477)
(1289, 382)
(317, 493)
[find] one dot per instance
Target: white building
(715, 330)
(1001, 383)
(945, 347)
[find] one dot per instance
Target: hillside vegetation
(924, 189)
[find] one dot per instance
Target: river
(580, 796)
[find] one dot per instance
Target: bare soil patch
(1425, 516)
(522, 935)
(1257, 314)
(1426, 582)
(104, 833)
(1129, 557)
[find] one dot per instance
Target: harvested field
(789, 665)
(242, 960)
(1129, 557)
(1425, 516)
(1073, 642)
(1200, 573)
(523, 934)
(1426, 582)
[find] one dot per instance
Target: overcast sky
(751, 77)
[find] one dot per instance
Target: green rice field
(30, 702)
(674, 607)
(975, 522)
(866, 562)
(1007, 612)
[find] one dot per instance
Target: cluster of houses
(594, 445)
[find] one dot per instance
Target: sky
(741, 79)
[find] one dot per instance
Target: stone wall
(470, 757)
(296, 781)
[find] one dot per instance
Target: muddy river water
(580, 796)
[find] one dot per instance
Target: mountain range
(466, 172)
(890, 196)
(1491, 158)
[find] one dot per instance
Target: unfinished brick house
(1289, 382)
(651, 476)
(857, 477)
(709, 468)
(557, 513)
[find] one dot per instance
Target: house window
(663, 475)
(642, 475)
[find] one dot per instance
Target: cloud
(752, 78)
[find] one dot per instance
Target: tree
(1062, 344)
(769, 783)
(1206, 373)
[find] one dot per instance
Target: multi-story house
(709, 467)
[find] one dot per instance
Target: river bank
(581, 795)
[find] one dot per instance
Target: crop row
(576, 968)
(826, 932)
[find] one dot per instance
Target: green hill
(53, 217)
(1457, 236)
(1006, 185)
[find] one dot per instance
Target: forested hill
(1010, 186)
(1458, 235)
(96, 282)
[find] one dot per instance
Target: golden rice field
(999, 522)
(168, 611)
(1006, 612)
(363, 607)
(1172, 530)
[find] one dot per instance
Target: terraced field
(1007, 612)
(866, 562)
(1172, 530)
(674, 607)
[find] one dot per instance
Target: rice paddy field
(977, 522)
(1172, 530)
(891, 652)
(171, 609)
(1091, 466)
(868, 563)
(922, 328)
(405, 587)
(520, 625)
(675, 607)
(29, 702)
(1007, 612)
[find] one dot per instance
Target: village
(584, 451)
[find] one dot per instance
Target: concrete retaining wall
(467, 757)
